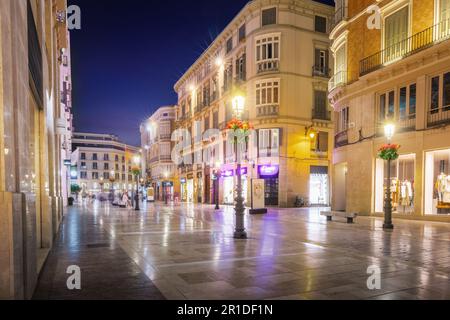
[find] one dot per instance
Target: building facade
(32, 39)
(275, 53)
(392, 65)
(65, 120)
(157, 145)
(100, 163)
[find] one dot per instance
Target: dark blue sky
(129, 54)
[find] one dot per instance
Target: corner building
(33, 127)
(399, 72)
(275, 53)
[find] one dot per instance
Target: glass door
(395, 35)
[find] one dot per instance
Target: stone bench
(330, 214)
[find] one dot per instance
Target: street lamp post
(112, 179)
(217, 174)
(389, 130)
(239, 233)
(136, 161)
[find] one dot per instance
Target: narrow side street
(187, 252)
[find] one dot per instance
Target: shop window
(401, 184)
(437, 182)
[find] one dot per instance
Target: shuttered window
(320, 24)
(269, 16)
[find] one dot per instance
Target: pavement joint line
(227, 260)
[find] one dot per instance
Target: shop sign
(228, 173)
(244, 171)
(168, 184)
(183, 180)
(269, 170)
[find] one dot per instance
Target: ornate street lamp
(102, 183)
(112, 179)
(217, 174)
(388, 153)
(239, 233)
(136, 172)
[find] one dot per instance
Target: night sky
(129, 54)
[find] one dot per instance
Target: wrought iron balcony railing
(341, 139)
(267, 111)
(409, 46)
(321, 71)
(438, 116)
(268, 66)
(339, 79)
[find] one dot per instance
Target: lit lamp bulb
(389, 131)
(238, 104)
(219, 62)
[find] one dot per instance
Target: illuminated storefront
(270, 174)
(437, 182)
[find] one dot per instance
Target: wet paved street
(187, 252)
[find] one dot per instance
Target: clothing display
(402, 195)
(443, 192)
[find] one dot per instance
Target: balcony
(321, 71)
(324, 115)
(341, 139)
(165, 158)
(267, 111)
(268, 66)
(438, 117)
(339, 79)
(165, 136)
(414, 44)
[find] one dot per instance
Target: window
(446, 92)
(106, 175)
(320, 144)
(440, 95)
(206, 123)
(123, 159)
(83, 156)
(216, 120)
(116, 158)
(268, 48)
(269, 16)
(117, 167)
(241, 72)
(321, 59)
(396, 30)
(106, 157)
(269, 141)
(242, 33)
(83, 175)
(267, 93)
(320, 111)
(83, 165)
(320, 24)
(404, 109)
(106, 166)
(94, 157)
(230, 45)
(94, 175)
(444, 18)
(343, 120)
(123, 177)
(94, 166)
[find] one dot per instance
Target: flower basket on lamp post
(388, 152)
(240, 131)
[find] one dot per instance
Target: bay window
(269, 142)
(268, 52)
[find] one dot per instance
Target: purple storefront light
(269, 170)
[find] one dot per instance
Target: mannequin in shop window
(441, 186)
